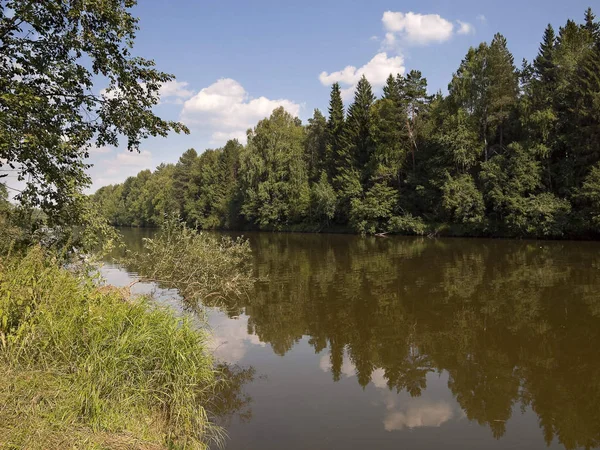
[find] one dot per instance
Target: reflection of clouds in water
(348, 369)
(401, 411)
(230, 338)
(419, 413)
(378, 379)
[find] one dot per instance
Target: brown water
(390, 343)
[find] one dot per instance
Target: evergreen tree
(390, 136)
(337, 155)
(392, 90)
(591, 26)
(184, 190)
(544, 64)
(358, 128)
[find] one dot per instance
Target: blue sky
(237, 60)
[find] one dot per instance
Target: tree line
(508, 151)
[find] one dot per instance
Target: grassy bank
(86, 367)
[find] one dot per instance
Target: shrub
(199, 264)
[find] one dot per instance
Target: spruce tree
(184, 190)
(389, 133)
(391, 89)
(359, 123)
(544, 64)
(337, 155)
(591, 26)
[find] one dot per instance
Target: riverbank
(441, 230)
(89, 367)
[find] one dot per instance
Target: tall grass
(82, 367)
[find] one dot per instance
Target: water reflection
(231, 340)
(448, 332)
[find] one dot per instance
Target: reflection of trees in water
(229, 399)
(511, 322)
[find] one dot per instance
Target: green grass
(83, 367)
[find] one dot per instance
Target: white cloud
(132, 159)
(175, 91)
(225, 109)
(100, 150)
(416, 28)
(465, 28)
(377, 70)
(481, 18)
(118, 168)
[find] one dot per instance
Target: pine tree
(544, 64)
(359, 123)
(591, 26)
(337, 156)
(389, 135)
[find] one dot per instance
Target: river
(389, 343)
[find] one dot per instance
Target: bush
(462, 201)
(407, 224)
(590, 194)
(371, 214)
(200, 265)
(542, 215)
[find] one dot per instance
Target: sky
(235, 61)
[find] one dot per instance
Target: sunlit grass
(87, 368)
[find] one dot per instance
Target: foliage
(407, 224)
(590, 193)
(462, 201)
(371, 214)
(50, 108)
(323, 201)
(203, 267)
(90, 367)
(274, 178)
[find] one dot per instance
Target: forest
(509, 151)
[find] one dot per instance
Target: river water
(410, 343)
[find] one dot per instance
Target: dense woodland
(508, 151)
